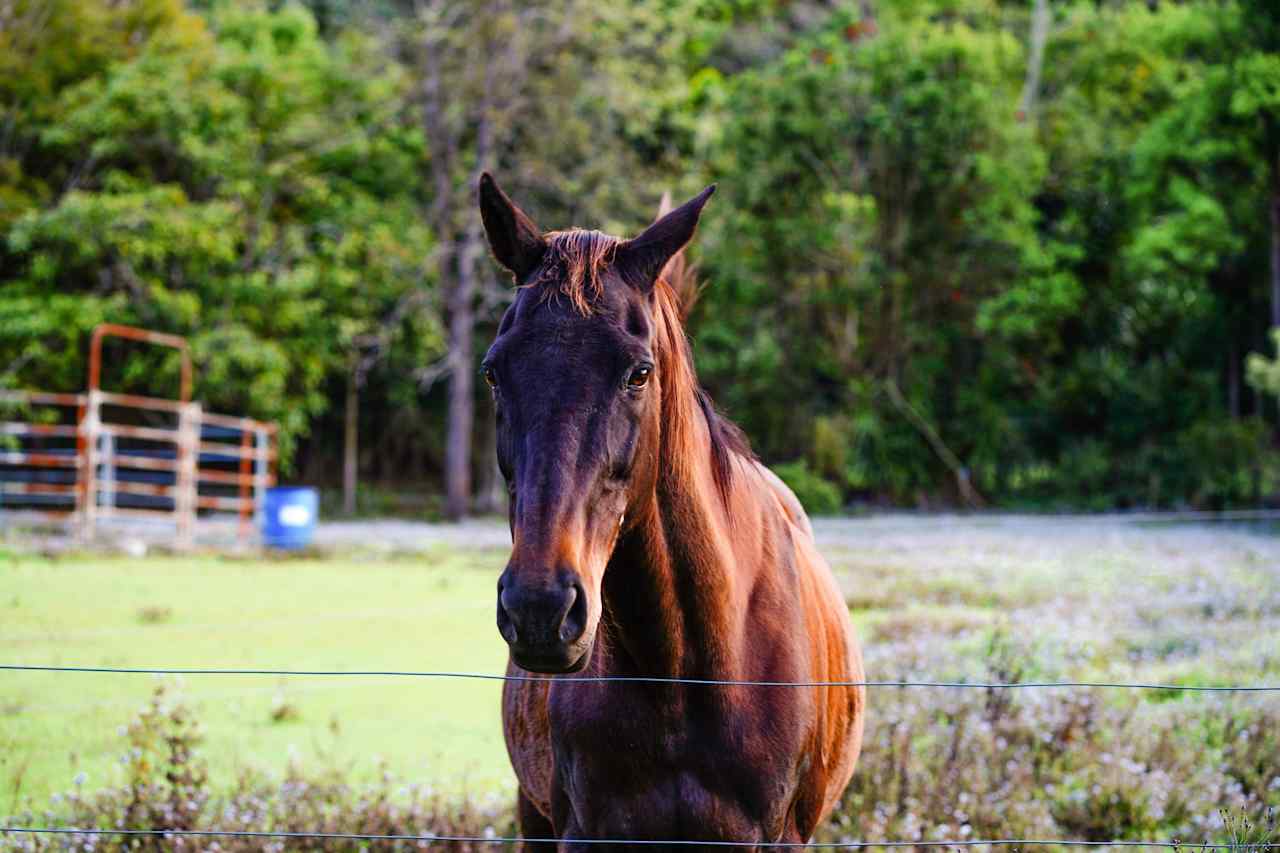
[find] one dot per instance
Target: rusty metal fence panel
(201, 467)
(39, 462)
(92, 459)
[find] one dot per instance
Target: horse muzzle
(545, 622)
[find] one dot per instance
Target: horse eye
(490, 377)
(640, 376)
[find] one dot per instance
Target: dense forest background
(991, 252)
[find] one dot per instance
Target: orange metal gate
(132, 457)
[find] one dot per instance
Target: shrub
(818, 496)
(1067, 764)
(167, 787)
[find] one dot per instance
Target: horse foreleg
(533, 824)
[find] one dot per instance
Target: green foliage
(816, 495)
(166, 787)
(879, 191)
(1060, 300)
(1264, 373)
(243, 183)
(1245, 833)
(165, 776)
(1066, 294)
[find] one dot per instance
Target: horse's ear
(675, 267)
(515, 239)
(642, 258)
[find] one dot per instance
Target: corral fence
(98, 458)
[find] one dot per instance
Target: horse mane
(573, 267)
(681, 380)
(678, 291)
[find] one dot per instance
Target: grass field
(990, 598)
(432, 611)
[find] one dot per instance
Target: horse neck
(674, 588)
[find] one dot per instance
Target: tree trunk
(1275, 255)
(1275, 242)
(457, 279)
(457, 222)
(461, 395)
(1040, 20)
(1233, 379)
(350, 443)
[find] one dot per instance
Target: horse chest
(642, 767)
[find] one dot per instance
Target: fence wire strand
(505, 840)
(508, 840)
(639, 679)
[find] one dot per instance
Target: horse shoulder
(790, 505)
(833, 655)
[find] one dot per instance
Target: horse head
(577, 370)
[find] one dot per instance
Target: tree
(242, 183)
(880, 190)
(1208, 169)
(993, 247)
(527, 90)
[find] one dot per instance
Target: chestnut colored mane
(680, 382)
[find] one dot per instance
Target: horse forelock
(574, 265)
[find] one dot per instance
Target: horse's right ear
(515, 239)
(642, 258)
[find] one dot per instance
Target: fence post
(108, 475)
(87, 446)
(186, 484)
(246, 484)
(260, 475)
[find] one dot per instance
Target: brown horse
(647, 542)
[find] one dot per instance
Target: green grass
(934, 599)
(429, 612)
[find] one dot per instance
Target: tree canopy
(966, 251)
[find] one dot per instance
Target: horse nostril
(541, 615)
(507, 625)
(575, 620)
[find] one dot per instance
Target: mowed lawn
(432, 611)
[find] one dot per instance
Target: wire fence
(1136, 516)
(509, 840)
(496, 840)
(641, 679)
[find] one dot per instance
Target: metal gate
(97, 458)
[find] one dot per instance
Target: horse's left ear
(641, 258)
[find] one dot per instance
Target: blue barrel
(289, 516)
